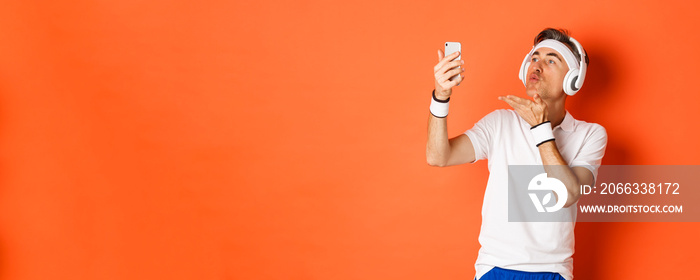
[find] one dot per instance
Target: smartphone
(452, 47)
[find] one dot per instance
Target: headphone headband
(562, 49)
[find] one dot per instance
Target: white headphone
(573, 79)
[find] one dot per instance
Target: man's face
(545, 75)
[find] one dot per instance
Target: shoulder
(502, 114)
(501, 119)
(584, 125)
(593, 130)
(505, 112)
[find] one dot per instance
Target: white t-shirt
(504, 138)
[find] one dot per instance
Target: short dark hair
(561, 35)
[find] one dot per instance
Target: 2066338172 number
(640, 188)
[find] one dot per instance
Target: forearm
(437, 149)
(556, 167)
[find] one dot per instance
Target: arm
(572, 177)
(440, 150)
(443, 152)
(535, 112)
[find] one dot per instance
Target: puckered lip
(534, 77)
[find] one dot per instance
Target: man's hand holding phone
(447, 74)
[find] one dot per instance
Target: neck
(556, 113)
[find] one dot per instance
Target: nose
(537, 66)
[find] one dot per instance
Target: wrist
(442, 95)
(542, 133)
(439, 107)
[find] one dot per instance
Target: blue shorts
(498, 273)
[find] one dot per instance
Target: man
(538, 131)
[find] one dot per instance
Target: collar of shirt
(567, 124)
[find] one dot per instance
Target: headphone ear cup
(523, 73)
(570, 82)
(524, 66)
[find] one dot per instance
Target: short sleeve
(482, 133)
(591, 154)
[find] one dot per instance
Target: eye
(534, 59)
(551, 61)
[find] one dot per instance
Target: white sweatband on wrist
(542, 133)
(439, 108)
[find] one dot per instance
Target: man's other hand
(534, 111)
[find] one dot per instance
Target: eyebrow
(550, 54)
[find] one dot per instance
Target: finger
(444, 80)
(446, 60)
(445, 65)
(453, 55)
(519, 100)
(518, 107)
(509, 101)
(452, 73)
(448, 72)
(449, 66)
(458, 79)
(453, 83)
(441, 57)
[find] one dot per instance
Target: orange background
(285, 139)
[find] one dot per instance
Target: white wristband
(439, 108)
(542, 133)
